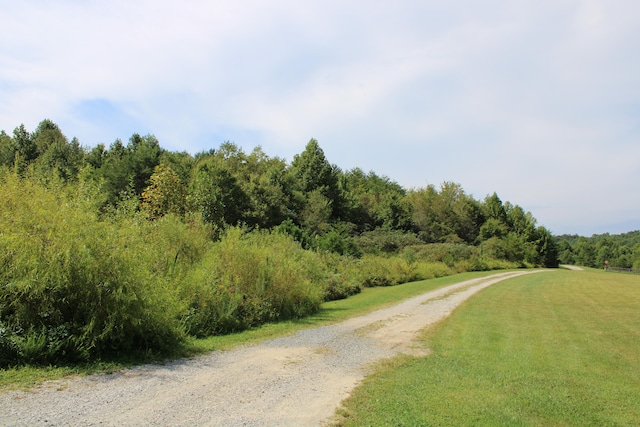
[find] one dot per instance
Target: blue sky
(538, 101)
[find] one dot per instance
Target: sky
(538, 101)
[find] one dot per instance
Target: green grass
(551, 349)
(331, 312)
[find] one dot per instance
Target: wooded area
(619, 250)
(134, 247)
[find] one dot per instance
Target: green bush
(73, 287)
(431, 270)
(343, 276)
(8, 347)
(448, 253)
(251, 278)
(380, 241)
(376, 270)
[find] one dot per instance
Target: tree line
(312, 199)
(617, 250)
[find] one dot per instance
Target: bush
(448, 253)
(338, 243)
(8, 347)
(342, 279)
(381, 241)
(251, 278)
(74, 287)
(377, 270)
(432, 270)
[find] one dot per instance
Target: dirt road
(293, 381)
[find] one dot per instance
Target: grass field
(331, 312)
(554, 349)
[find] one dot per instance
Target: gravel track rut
(298, 380)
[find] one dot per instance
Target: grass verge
(560, 348)
(331, 312)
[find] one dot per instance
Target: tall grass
(73, 287)
(251, 278)
(548, 349)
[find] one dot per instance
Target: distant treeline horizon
(310, 196)
(617, 250)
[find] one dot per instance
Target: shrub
(342, 279)
(336, 242)
(376, 270)
(449, 253)
(8, 347)
(250, 278)
(74, 287)
(385, 241)
(431, 270)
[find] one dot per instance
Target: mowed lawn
(550, 349)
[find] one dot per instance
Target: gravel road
(298, 380)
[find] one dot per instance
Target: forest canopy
(310, 197)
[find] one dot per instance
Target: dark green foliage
(55, 155)
(26, 147)
(565, 253)
(337, 242)
(181, 163)
(9, 351)
(253, 189)
(546, 248)
(620, 250)
(297, 233)
(494, 208)
(46, 150)
(127, 169)
(8, 150)
(374, 201)
(493, 228)
(448, 215)
(143, 153)
(216, 194)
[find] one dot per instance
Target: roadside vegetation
(133, 251)
(26, 376)
(552, 349)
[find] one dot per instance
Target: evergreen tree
(312, 172)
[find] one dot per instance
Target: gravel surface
(298, 380)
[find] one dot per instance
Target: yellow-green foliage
(431, 270)
(250, 278)
(73, 287)
(343, 276)
(376, 270)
